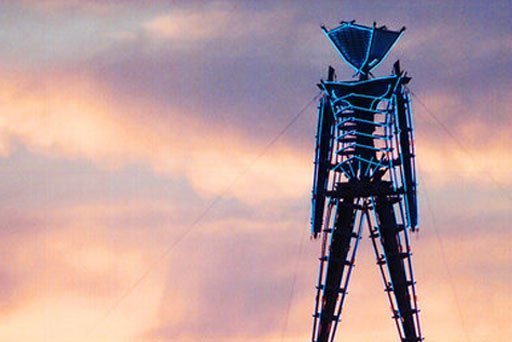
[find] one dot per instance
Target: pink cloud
(230, 279)
(75, 117)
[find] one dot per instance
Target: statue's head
(362, 48)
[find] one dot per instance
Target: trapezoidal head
(362, 48)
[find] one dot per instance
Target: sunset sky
(141, 200)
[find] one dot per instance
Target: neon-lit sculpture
(364, 174)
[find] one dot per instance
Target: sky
(150, 194)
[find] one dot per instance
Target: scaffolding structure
(364, 175)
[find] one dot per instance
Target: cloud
(461, 138)
(237, 285)
(67, 274)
(117, 138)
(186, 25)
(217, 20)
(230, 280)
(222, 304)
(79, 117)
(74, 117)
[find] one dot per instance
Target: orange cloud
(74, 117)
(68, 274)
(474, 149)
(70, 271)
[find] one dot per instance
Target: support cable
(461, 146)
(194, 225)
(439, 240)
(294, 281)
(430, 209)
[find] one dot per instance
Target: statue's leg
(399, 282)
(339, 265)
